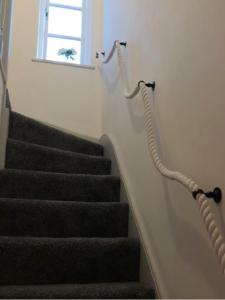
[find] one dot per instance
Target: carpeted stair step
(29, 261)
(41, 218)
(27, 156)
(29, 130)
(63, 231)
(126, 290)
(58, 186)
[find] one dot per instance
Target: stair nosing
(62, 151)
(58, 202)
(71, 239)
(58, 174)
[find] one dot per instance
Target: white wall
(181, 45)
(64, 96)
(7, 35)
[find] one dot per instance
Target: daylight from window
(62, 37)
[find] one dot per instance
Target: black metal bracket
(124, 44)
(151, 85)
(98, 54)
(216, 194)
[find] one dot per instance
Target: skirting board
(4, 124)
(146, 275)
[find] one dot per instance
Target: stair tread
(58, 186)
(29, 260)
(43, 218)
(27, 129)
(59, 150)
(114, 290)
(29, 156)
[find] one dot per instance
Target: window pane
(76, 3)
(65, 21)
(55, 44)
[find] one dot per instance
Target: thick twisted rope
(216, 238)
(213, 230)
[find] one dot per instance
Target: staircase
(63, 231)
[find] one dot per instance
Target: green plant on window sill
(68, 53)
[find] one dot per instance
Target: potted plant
(68, 53)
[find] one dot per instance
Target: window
(64, 31)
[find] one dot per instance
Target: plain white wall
(66, 97)
(181, 45)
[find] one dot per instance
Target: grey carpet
(27, 156)
(126, 290)
(29, 130)
(38, 218)
(58, 186)
(68, 260)
(63, 230)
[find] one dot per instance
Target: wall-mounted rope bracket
(98, 54)
(216, 194)
(124, 44)
(151, 85)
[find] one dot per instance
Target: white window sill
(37, 60)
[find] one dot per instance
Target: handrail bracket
(124, 44)
(216, 194)
(151, 85)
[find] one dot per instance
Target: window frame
(85, 38)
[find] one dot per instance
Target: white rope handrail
(128, 94)
(213, 230)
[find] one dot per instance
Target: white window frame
(86, 33)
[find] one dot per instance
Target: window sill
(37, 60)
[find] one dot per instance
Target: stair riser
(62, 219)
(30, 157)
(52, 261)
(38, 185)
(29, 130)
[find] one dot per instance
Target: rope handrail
(201, 197)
